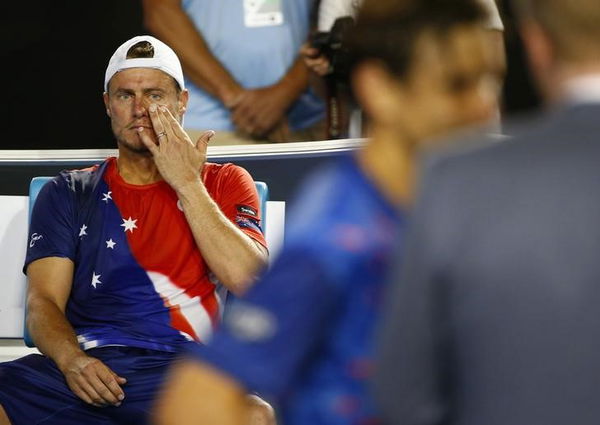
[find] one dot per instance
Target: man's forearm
(229, 253)
(51, 332)
(171, 24)
(296, 80)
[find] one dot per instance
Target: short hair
(145, 49)
(388, 30)
(573, 26)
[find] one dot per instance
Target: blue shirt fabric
(254, 56)
(303, 335)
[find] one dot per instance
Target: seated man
(129, 260)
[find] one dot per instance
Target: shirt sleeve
(52, 230)
(239, 201)
(330, 10)
(266, 337)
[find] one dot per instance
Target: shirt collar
(583, 89)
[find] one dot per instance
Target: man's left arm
(231, 255)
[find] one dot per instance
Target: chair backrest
(38, 182)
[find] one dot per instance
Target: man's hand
(280, 133)
(314, 60)
(93, 381)
(256, 112)
(178, 160)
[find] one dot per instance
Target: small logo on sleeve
(245, 209)
(250, 322)
(34, 238)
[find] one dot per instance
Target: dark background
(55, 53)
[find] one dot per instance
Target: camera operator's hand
(314, 60)
(258, 111)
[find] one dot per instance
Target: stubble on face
(132, 92)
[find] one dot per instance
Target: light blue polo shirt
(256, 56)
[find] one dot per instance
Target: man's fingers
(108, 379)
(144, 136)
(163, 116)
(82, 395)
(101, 388)
(157, 123)
(120, 380)
(204, 138)
(172, 122)
(92, 395)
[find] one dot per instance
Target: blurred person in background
(302, 337)
(494, 311)
(128, 261)
(242, 68)
(325, 58)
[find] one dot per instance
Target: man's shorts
(33, 391)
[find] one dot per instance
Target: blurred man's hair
(572, 25)
(389, 30)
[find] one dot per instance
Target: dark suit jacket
(495, 311)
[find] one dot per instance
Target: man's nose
(140, 108)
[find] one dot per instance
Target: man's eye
(124, 96)
(156, 96)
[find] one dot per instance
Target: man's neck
(136, 168)
(389, 163)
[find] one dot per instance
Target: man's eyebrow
(147, 90)
(154, 89)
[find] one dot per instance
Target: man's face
(130, 93)
(451, 85)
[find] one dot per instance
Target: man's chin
(138, 148)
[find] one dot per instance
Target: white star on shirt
(129, 224)
(106, 196)
(95, 279)
(110, 244)
(82, 230)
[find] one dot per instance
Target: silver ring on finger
(161, 134)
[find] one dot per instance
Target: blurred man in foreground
(303, 337)
(494, 315)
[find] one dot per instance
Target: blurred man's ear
(377, 91)
(183, 100)
(541, 56)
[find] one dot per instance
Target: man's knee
(3, 417)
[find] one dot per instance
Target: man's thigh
(33, 391)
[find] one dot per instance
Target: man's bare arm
(50, 281)
(169, 22)
(229, 253)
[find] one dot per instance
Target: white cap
(164, 59)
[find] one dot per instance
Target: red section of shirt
(160, 238)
